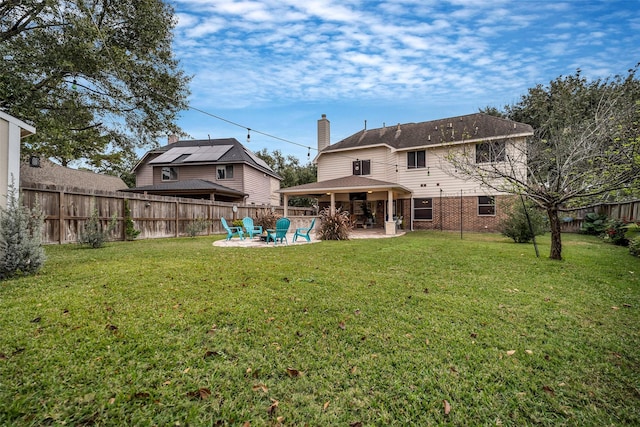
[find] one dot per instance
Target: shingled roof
(236, 153)
(52, 174)
(453, 130)
(190, 186)
(351, 182)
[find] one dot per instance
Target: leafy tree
(292, 172)
(94, 76)
(586, 146)
(21, 250)
(492, 111)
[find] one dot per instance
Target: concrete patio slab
(256, 243)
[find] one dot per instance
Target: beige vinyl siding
(206, 172)
(429, 182)
(260, 186)
(275, 197)
(144, 174)
(340, 164)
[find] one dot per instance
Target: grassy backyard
(424, 329)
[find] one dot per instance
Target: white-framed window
(423, 208)
(417, 159)
(169, 173)
(490, 152)
(362, 167)
(486, 205)
(224, 172)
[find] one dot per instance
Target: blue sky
(277, 65)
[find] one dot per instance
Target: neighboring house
(39, 172)
(12, 131)
(214, 169)
(401, 171)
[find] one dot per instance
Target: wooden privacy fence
(626, 211)
(68, 210)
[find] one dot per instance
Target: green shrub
(594, 224)
(198, 226)
(634, 246)
(130, 233)
(21, 251)
(516, 225)
(237, 223)
(94, 233)
(632, 233)
(614, 232)
(334, 226)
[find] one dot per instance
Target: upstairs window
(486, 205)
(416, 159)
(169, 174)
(490, 152)
(224, 172)
(362, 167)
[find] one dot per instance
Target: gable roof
(52, 174)
(453, 130)
(189, 186)
(206, 151)
(351, 183)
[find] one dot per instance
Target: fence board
(67, 211)
(626, 211)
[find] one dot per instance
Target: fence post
(60, 217)
(177, 218)
(124, 219)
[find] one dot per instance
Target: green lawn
(424, 329)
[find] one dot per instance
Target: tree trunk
(556, 240)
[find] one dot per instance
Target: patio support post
(333, 203)
(286, 205)
(390, 223)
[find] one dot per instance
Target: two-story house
(212, 169)
(402, 171)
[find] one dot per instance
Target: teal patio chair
(280, 233)
(304, 232)
(249, 228)
(232, 230)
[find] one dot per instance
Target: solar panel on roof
(205, 153)
(209, 153)
(170, 155)
(257, 159)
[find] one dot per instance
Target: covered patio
(370, 202)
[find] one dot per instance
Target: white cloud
(258, 52)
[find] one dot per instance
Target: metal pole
(461, 214)
(441, 219)
(526, 213)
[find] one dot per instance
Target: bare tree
(586, 145)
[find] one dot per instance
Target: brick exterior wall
(446, 218)
(446, 215)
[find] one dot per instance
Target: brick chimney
(172, 139)
(324, 134)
